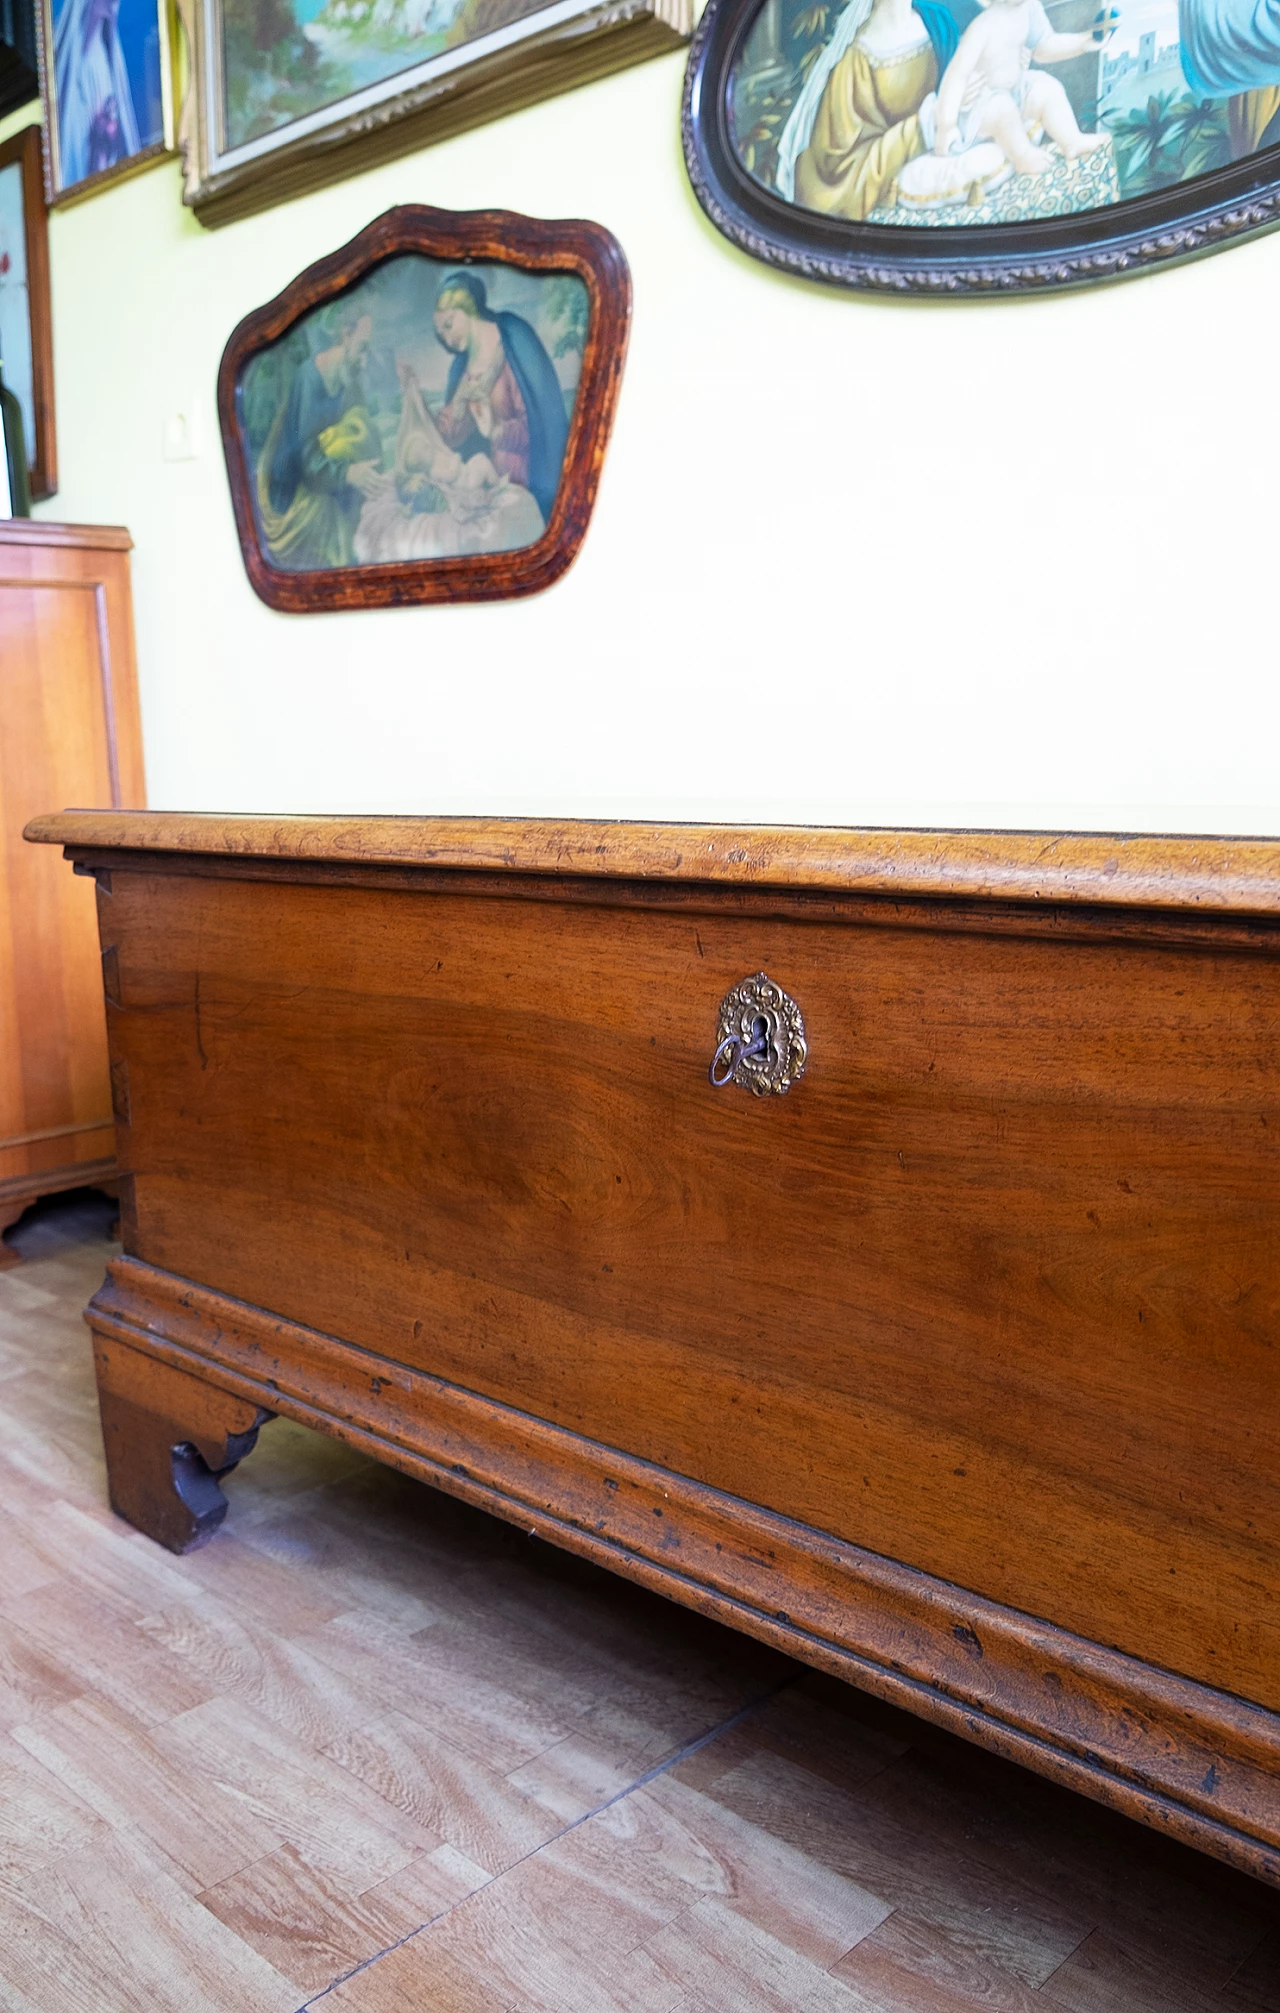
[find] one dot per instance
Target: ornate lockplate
(761, 1041)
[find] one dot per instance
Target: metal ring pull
(762, 1044)
(738, 1051)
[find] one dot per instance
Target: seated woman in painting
(503, 398)
(435, 505)
(481, 474)
(1230, 49)
(857, 122)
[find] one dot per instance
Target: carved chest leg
(169, 1440)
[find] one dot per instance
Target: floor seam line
(661, 1768)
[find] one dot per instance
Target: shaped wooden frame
(1046, 254)
(24, 148)
(585, 250)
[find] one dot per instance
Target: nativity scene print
(422, 415)
(944, 112)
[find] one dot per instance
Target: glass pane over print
(107, 84)
(15, 304)
(424, 415)
(935, 113)
(283, 59)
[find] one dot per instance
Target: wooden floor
(374, 1751)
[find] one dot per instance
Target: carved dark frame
(1052, 253)
(495, 236)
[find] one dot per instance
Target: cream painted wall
(1009, 563)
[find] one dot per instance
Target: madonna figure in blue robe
(1231, 49)
(503, 397)
(858, 119)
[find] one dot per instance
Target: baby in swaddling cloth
(990, 102)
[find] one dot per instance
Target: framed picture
(106, 78)
(26, 328)
(984, 146)
(288, 94)
(423, 416)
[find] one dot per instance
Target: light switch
(181, 435)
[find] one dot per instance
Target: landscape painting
(288, 95)
(937, 113)
(284, 59)
(423, 415)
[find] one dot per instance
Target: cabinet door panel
(68, 734)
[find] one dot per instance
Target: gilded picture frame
(785, 133)
(108, 88)
(423, 416)
(340, 92)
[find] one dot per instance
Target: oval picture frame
(1164, 226)
(535, 248)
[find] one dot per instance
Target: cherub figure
(990, 92)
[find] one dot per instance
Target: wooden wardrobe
(69, 734)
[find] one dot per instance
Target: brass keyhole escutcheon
(762, 1042)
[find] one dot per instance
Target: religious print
(925, 117)
(26, 332)
(946, 112)
(17, 349)
(422, 414)
(107, 89)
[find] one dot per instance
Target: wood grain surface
(372, 1743)
(1196, 1765)
(991, 1294)
(68, 726)
(1238, 876)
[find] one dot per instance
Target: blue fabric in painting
(1229, 45)
(535, 374)
(945, 24)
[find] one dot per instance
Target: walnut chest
(936, 1345)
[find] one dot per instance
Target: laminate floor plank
(283, 1595)
(501, 1728)
(1255, 1986)
(103, 1755)
(907, 1966)
(1082, 1853)
(105, 1931)
(445, 1787)
(96, 1637)
(313, 1932)
(275, 1674)
(371, 1751)
(337, 1822)
(1006, 1922)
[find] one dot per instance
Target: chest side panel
(993, 1291)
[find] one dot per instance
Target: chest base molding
(1191, 1761)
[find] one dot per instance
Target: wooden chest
(951, 1370)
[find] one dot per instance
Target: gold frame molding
(566, 43)
(122, 171)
